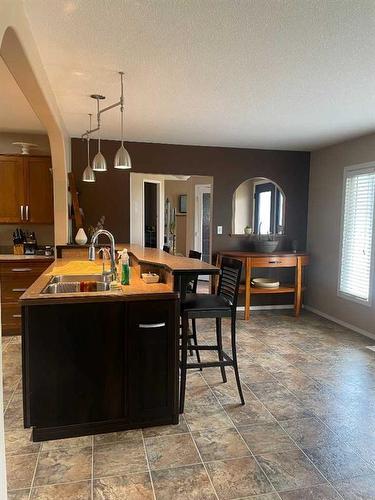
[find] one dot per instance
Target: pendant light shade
(88, 174)
(122, 159)
(99, 164)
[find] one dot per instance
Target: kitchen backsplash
(44, 234)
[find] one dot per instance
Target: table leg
(215, 278)
(298, 288)
(247, 287)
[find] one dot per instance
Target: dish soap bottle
(125, 270)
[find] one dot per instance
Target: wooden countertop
(240, 253)
(24, 258)
(158, 257)
(137, 289)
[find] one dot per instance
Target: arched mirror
(258, 208)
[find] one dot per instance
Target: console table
(252, 260)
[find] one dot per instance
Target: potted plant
(248, 230)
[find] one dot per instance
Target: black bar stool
(192, 288)
(223, 304)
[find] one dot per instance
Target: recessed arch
(15, 57)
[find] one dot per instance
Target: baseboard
(340, 322)
(267, 308)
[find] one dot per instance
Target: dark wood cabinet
(152, 350)
(27, 190)
(99, 367)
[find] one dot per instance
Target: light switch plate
(219, 229)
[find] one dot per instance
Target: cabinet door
(12, 199)
(152, 362)
(73, 363)
(39, 206)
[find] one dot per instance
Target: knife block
(18, 249)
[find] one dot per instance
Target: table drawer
(274, 261)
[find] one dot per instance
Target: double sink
(74, 283)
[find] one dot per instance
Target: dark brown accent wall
(229, 167)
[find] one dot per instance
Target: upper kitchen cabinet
(27, 190)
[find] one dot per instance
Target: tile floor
(307, 431)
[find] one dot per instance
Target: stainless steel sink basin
(72, 278)
(71, 283)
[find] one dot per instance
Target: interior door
(12, 199)
(39, 207)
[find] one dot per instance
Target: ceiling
(291, 74)
(16, 114)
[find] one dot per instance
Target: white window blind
(357, 234)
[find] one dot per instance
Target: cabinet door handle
(19, 289)
(21, 207)
(21, 269)
(16, 315)
(151, 325)
(27, 212)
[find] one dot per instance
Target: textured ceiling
(16, 114)
(290, 74)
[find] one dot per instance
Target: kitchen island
(103, 361)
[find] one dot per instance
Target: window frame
(362, 168)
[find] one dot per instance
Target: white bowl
(265, 283)
(150, 278)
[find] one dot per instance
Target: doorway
(150, 201)
(202, 231)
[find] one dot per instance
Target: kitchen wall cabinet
(27, 190)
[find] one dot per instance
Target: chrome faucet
(112, 252)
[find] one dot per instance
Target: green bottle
(125, 270)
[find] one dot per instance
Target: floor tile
(20, 470)
(63, 466)
(238, 478)
(171, 451)
(19, 495)
(116, 459)
(167, 430)
(129, 487)
(338, 462)
(207, 417)
(77, 491)
(131, 437)
(67, 444)
(309, 432)
(220, 444)
(266, 437)
(357, 488)
(250, 413)
(321, 492)
(289, 470)
(286, 407)
(183, 483)
(18, 442)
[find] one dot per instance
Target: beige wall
(325, 198)
(7, 138)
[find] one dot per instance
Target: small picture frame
(182, 203)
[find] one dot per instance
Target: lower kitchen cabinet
(99, 367)
(15, 277)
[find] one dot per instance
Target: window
(355, 280)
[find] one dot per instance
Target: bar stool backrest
(229, 281)
(193, 254)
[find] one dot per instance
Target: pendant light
(122, 158)
(99, 163)
(88, 174)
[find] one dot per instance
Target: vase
(81, 238)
